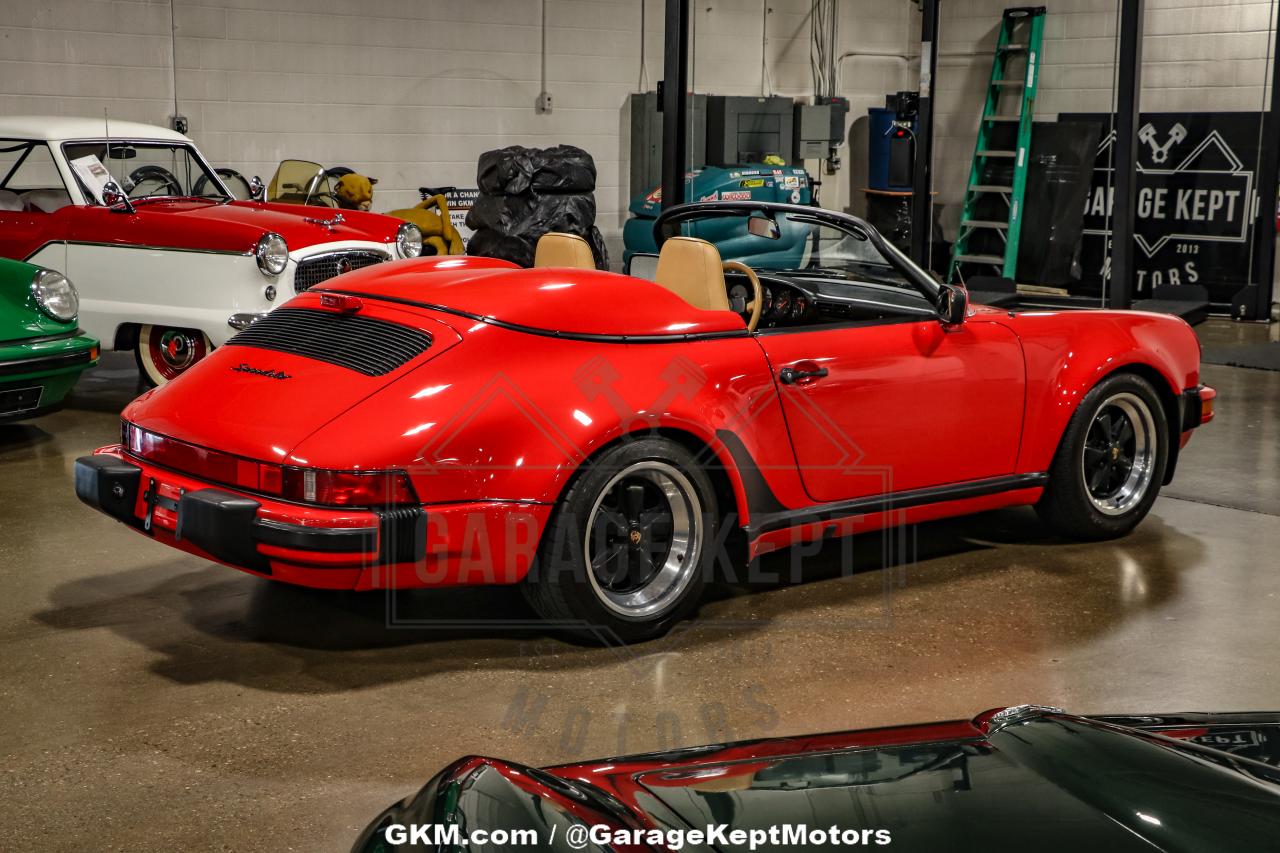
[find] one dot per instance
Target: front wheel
(1111, 462)
(630, 545)
(166, 352)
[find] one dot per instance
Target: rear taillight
(347, 488)
(304, 485)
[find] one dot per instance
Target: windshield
(796, 244)
(301, 182)
(148, 169)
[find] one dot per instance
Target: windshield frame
(668, 222)
(225, 196)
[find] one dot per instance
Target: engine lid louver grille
(368, 346)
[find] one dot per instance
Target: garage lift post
(1119, 293)
(922, 177)
(673, 99)
(1254, 302)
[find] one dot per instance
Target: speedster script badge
(257, 371)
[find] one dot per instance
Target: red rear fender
(1067, 354)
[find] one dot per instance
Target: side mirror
(114, 197)
(763, 226)
(256, 189)
(953, 305)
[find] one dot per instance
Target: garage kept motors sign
(1196, 203)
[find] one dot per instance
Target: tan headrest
(692, 269)
(563, 250)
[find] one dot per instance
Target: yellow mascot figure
(355, 192)
(432, 218)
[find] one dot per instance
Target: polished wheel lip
(1141, 465)
(682, 557)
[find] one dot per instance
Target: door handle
(790, 375)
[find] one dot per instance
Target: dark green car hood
(20, 317)
(1049, 783)
(1022, 778)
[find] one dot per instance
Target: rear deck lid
(291, 373)
(569, 302)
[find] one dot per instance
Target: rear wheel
(166, 352)
(1111, 462)
(628, 549)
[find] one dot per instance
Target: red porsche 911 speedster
(605, 440)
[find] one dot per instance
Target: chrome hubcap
(1119, 454)
(643, 539)
(178, 349)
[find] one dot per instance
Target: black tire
(1110, 464)
(585, 603)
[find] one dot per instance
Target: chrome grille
(317, 268)
(368, 346)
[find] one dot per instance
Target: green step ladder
(991, 222)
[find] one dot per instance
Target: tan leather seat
(691, 269)
(563, 250)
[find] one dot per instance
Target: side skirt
(769, 522)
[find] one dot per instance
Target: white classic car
(167, 263)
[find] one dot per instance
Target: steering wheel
(159, 175)
(756, 304)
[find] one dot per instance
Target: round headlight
(55, 295)
(408, 240)
(272, 254)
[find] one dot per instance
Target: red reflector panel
(202, 462)
(348, 488)
(303, 485)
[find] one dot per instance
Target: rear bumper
(397, 547)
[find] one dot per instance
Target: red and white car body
(173, 270)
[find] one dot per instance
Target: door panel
(901, 406)
(22, 233)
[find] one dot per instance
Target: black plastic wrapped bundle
(526, 192)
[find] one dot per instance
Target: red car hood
(236, 226)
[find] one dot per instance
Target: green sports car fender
(42, 351)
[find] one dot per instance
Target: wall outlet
(543, 105)
(179, 123)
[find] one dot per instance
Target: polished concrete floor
(155, 701)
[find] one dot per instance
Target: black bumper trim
(221, 524)
(46, 362)
(109, 485)
(403, 534)
(1192, 408)
(334, 540)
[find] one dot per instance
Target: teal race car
(42, 351)
(753, 182)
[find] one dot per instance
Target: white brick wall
(412, 92)
(409, 92)
(1197, 55)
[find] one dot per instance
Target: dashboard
(804, 298)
